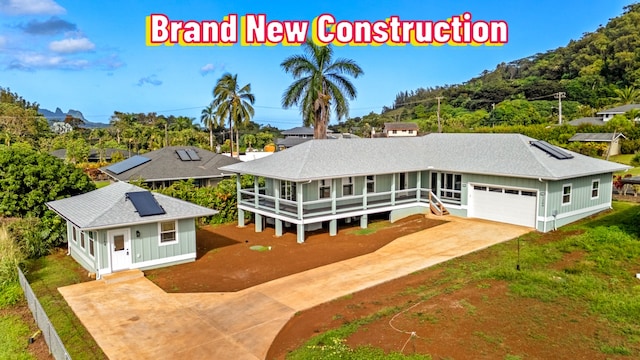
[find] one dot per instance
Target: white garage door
(509, 205)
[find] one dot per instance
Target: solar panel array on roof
(183, 155)
(145, 203)
(128, 164)
(551, 150)
(192, 154)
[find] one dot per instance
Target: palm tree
(234, 102)
(627, 95)
(320, 83)
(209, 118)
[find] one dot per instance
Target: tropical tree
(233, 102)
(209, 118)
(321, 83)
(627, 95)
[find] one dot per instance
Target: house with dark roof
(612, 140)
(122, 226)
(397, 129)
(95, 155)
(605, 115)
(160, 168)
(508, 178)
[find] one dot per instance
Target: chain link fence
(56, 347)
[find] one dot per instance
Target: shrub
(635, 161)
(10, 258)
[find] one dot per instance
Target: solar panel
(145, 203)
(130, 163)
(551, 150)
(192, 154)
(183, 155)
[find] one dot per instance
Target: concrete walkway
(134, 319)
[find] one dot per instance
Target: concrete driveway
(134, 319)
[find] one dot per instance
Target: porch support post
(418, 185)
(276, 195)
(256, 189)
(334, 185)
(393, 189)
(240, 218)
(300, 233)
(278, 227)
(299, 200)
(258, 222)
(333, 227)
(364, 193)
(364, 219)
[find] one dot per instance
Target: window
(394, 131)
(347, 186)
(566, 194)
(528, 193)
(74, 234)
(371, 183)
(511, 191)
(168, 233)
(288, 190)
(82, 239)
(451, 186)
(410, 131)
(480, 188)
(324, 187)
(595, 189)
(92, 250)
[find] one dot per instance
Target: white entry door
(120, 249)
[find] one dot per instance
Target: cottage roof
(166, 164)
(109, 207)
(495, 154)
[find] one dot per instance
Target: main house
(122, 226)
(502, 177)
(161, 168)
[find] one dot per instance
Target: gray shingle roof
(587, 120)
(166, 165)
(496, 154)
(619, 109)
(107, 207)
(400, 126)
(598, 137)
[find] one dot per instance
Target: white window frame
(451, 192)
(288, 190)
(562, 194)
(82, 242)
(596, 189)
(91, 248)
(74, 234)
(371, 181)
(160, 232)
(324, 188)
(348, 182)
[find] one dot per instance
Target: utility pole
(560, 96)
(439, 124)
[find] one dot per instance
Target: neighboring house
(301, 134)
(160, 168)
(94, 154)
(605, 115)
(612, 140)
(397, 129)
(501, 177)
(122, 226)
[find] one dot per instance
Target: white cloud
(33, 61)
(30, 7)
(68, 46)
(151, 80)
(209, 68)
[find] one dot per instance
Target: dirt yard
(226, 261)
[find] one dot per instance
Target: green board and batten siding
(147, 247)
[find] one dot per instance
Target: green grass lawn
(13, 338)
(603, 281)
(46, 275)
(625, 159)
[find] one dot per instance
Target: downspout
(546, 204)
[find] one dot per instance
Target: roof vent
(551, 150)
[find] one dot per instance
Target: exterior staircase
(436, 206)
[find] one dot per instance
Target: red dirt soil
(225, 261)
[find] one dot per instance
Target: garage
(503, 204)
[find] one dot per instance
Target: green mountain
(592, 72)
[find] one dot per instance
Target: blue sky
(91, 55)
